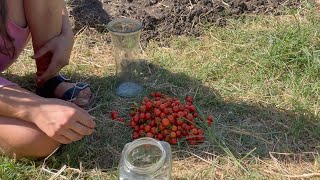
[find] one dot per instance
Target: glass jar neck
(145, 170)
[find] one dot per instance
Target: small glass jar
(146, 159)
(125, 36)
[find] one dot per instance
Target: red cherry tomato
(173, 141)
(189, 99)
(192, 108)
(135, 135)
(173, 135)
(174, 128)
(135, 118)
(149, 134)
(149, 105)
(165, 122)
(171, 119)
(142, 116)
(157, 112)
(160, 136)
(147, 128)
(158, 94)
(178, 133)
(195, 131)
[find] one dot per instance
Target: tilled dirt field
(163, 18)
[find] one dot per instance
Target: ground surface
(164, 18)
(259, 77)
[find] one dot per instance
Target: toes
(86, 93)
(83, 98)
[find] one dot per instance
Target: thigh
(21, 139)
(16, 12)
(44, 19)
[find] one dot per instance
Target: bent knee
(23, 139)
(44, 147)
(34, 144)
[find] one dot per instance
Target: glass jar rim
(140, 142)
(137, 25)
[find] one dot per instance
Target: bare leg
(20, 139)
(45, 22)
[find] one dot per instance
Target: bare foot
(81, 100)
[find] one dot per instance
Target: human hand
(62, 121)
(60, 47)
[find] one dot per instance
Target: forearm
(18, 103)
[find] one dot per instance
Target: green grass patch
(259, 77)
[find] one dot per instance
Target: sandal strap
(47, 90)
(74, 91)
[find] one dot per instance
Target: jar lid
(124, 25)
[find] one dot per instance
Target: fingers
(71, 135)
(75, 132)
(52, 70)
(87, 121)
(62, 139)
(42, 51)
(83, 117)
(81, 129)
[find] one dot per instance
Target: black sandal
(47, 90)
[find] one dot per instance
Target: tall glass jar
(125, 36)
(146, 159)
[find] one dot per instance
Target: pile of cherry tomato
(166, 119)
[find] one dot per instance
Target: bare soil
(164, 18)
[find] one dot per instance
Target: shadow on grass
(240, 126)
